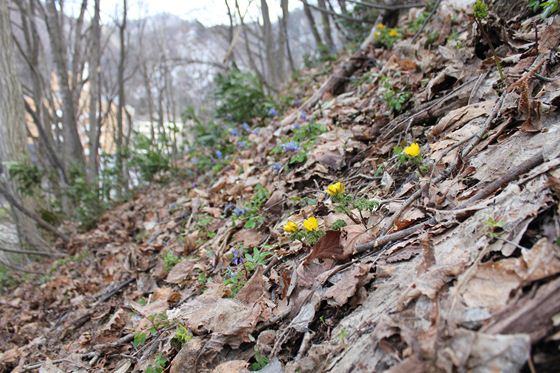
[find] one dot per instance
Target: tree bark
(122, 182)
(312, 24)
(13, 138)
(271, 67)
(285, 15)
(73, 149)
(326, 24)
(94, 91)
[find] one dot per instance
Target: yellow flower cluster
(335, 189)
(380, 26)
(413, 150)
(290, 227)
(393, 33)
(310, 224)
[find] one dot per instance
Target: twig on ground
(426, 21)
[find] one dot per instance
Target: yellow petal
(311, 224)
(290, 227)
(413, 150)
(335, 189)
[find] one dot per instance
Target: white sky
(208, 12)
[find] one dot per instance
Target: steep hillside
(407, 223)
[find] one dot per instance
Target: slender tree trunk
(269, 45)
(246, 36)
(13, 138)
(73, 150)
(312, 24)
(94, 94)
(149, 97)
(285, 15)
(326, 23)
(122, 183)
(342, 5)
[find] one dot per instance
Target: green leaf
(139, 339)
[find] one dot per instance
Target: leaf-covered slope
(440, 261)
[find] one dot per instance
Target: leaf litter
(456, 269)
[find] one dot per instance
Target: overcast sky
(208, 12)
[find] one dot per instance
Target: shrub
(241, 97)
(147, 158)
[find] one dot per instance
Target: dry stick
(515, 172)
(397, 122)
(393, 236)
(31, 252)
(477, 86)
(436, 6)
(387, 6)
(42, 223)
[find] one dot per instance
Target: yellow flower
(335, 189)
(393, 33)
(380, 26)
(290, 227)
(413, 150)
(376, 34)
(311, 224)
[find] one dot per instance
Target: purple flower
(272, 112)
(242, 144)
(219, 154)
(238, 211)
(234, 132)
(291, 146)
(296, 126)
(256, 131)
(246, 126)
(302, 116)
(277, 167)
(237, 258)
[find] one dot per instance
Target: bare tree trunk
(326, 23)
(269, 45)
(252, 62)
(285, 15)
(312, 24)
(13, 138)
(122, 183)
(94, 91)
(148, 89)
(342, 5)
(73, 150)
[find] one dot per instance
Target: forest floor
(443, 257)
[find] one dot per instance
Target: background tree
(13, 137)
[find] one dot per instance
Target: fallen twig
(393, 236)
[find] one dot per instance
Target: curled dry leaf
(348, 284)
(352, 236)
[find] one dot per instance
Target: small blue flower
(238, 211)
(219, 154)
(172, 206)
(272, 112)
(291, 146)
(277, 167)
(234, 132)
(256, 131)
(237, 258)
(302, 116)
(296, 126)
(246, 126)
(242, 144)
(229, 207)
